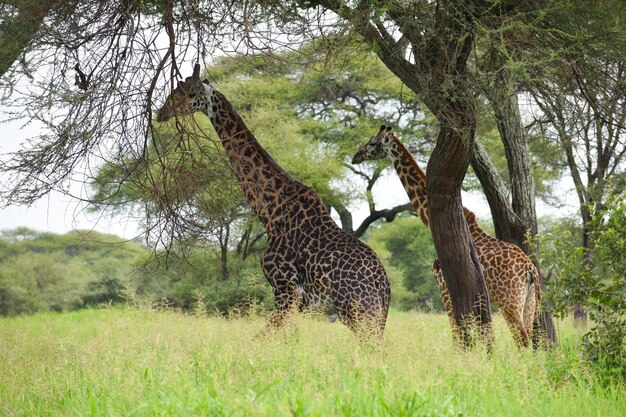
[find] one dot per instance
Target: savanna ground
(134, 362)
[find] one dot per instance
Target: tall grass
(142, 363)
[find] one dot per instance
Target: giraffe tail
(533, 297)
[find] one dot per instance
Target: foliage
(145, 363)
(601, 288)
(45, 271)
(196, 284)
(405, 247)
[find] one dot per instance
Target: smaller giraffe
(511, 278)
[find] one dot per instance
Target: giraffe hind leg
(515, 321)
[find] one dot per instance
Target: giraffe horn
(388, 129)
(382, 128)
(196, 72)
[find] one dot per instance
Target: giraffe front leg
(282, 276)
(445, 298)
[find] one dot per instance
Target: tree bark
(451, 236)
(514, 219)
(506, 223)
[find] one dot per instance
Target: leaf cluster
(599, 286)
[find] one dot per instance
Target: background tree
(45, 271)
(588, 119)
(406, 248)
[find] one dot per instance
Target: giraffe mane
(470, 216)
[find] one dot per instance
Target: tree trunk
(578, 310)
(508, 118)
(513, 136)
(515, 219)
(463, 274)
(439, 76)
(224, 238)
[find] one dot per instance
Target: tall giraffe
(310, 260)
(511, 277)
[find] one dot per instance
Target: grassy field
(128, 362)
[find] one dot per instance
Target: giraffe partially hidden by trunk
(511, 277)
(310, 261)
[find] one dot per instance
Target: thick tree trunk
(509, 121)
(446, 91)
(439, 76)
(463, 274)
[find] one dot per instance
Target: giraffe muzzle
(358, 158)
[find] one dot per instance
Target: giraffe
(511, 278)
(310, 261)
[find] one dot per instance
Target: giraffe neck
(412, 177)
(414, 182)
(262, 180)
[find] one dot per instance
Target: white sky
(56, 212)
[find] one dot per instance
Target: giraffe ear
(205, 81)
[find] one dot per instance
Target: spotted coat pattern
(510, 276)
(310, 261)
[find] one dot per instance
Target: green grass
(128, 362)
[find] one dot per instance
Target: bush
(601, 287)
(182, 282)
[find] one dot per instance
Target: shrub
(600, 287)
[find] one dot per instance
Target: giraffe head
(376, 148)
(188, 97)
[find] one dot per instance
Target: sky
(56, 212)
(60, 213)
